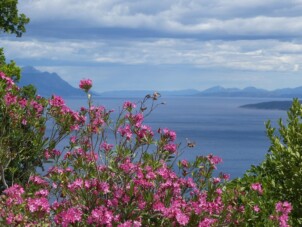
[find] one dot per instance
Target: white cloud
(215, 17)
(251, 36)
(258, 55)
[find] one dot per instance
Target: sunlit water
(217, 125)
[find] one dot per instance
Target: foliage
(10, 69)
(11, 22)
(23, 118)
(10, 19)
(122, 173)
(281, 171)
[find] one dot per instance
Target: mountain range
(47, 83)
(51, 83)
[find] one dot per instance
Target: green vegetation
(281, 171)
(10, 20)
(10, 69)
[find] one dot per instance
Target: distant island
(273, 105)
(219, 91)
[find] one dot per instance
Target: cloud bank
(251, 38)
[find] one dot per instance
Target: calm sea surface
(217, 125)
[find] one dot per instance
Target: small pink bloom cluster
(8, 81)
(257, 187)
(64, 116)
(125, 132)
(169, 134)
(14, 194)
(85, 84)
(129, 105)
(283, 209)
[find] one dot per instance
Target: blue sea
(216, 125)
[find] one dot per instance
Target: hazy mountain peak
(47, 83)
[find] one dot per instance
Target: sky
(163, 45)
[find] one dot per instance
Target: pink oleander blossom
(256, 208)
(38, 180)
(136, 119)
(144, 132)
(77, 184)
(129, 105)
(125, 132)
(184, 163)
(100, 216)
(257, 187)
(182, 219)
(56, 101)
(38, 204)
(284, 207)
(106, 147)
(169, 134)
(70, 216)
(10, 99)
(171, 148)
(14, 194)
(85, 84)
(42, 193)
(37, 107)
(9, 81)
(225, 176)
(130, 224)
(22, 102)
(216, 180)
(214, 160)
(207, 222)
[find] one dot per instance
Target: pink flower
(8, 80)
(182, 219)
(137, 119)
(125, 132)
(216, 180)
(257, 187)
(38, 180)
(23, 102)
(225, 176)
(171, 148)
(170, 135)
(218, 191)
(42, 193)
(77, 184)
(71, 216)
(207, 222)
(107, 147)
(56, 101)
(129, 105)
(256, 208)
(284, 207)
(184, 163)
(10, 99)
(24, 122)
(14, 194)
(100, 216)
(214, 160)
(38, 204)
(144, 132)
(85, 84)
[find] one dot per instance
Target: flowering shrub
(23, 118)
(122, 173)
(280, 172)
